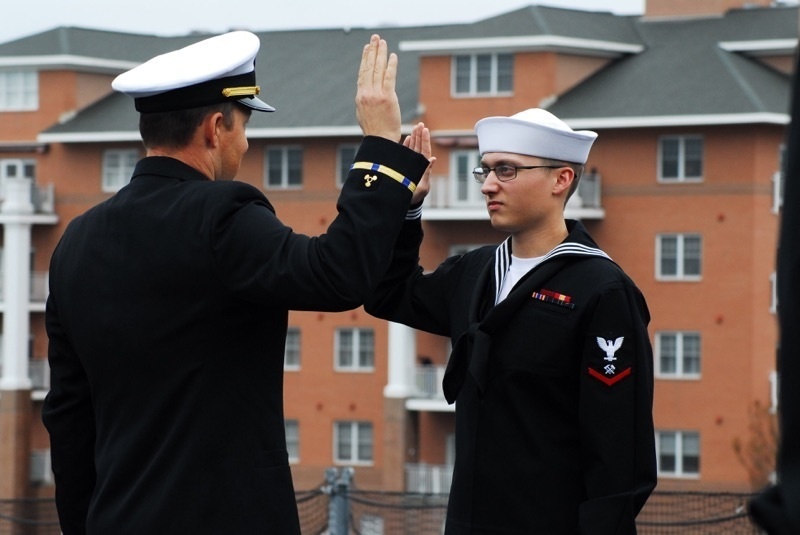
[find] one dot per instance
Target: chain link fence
(338, 508)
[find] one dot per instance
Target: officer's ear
(211, 128)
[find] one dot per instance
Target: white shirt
(516, 270)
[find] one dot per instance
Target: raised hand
(420, 141)
(377, 107)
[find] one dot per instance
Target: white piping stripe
(503, 258)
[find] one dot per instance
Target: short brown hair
(174, 129)
(577, 168)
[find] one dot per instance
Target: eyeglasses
(505, 172)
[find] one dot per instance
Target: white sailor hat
(212, 71)
(534, 132)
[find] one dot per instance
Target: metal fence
(323, 511)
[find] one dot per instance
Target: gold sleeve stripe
(376, 167)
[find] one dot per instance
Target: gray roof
(685, 72)
(309, 75)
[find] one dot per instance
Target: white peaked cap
(534, 132)
(215, 70)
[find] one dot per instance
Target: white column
(402, 354)
(15, 215)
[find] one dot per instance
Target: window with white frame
(353, 442)
(774, 381)
(465, 190)
(19, 91)
(355, 349)
(678, 354)
(678, 453)
(284, 167)
(679, 257)
(345, 156)
(681, 159)
(482, 74)
(118, 165)
(292, 428)
(371, 525)
(773, 300)
(15, 168)
(41, 471)
(291, 352)
(779, 180)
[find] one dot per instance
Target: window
(773, 391)
(773, 300)
(19, 91)
(118, 165)
(678, 257)
(353, 442)
(678, 354)
(13, 168)
(681, 159)
(284, 167)
(779, 180)
(292, 428)
(483, 74)
(465, 190)
(371, 525)
(291, 352)
(678, 453)
(355, 349)
(40, 470)
(345, 157)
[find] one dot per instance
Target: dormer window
(483, 74)
(19, 91)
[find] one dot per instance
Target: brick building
(683, 190)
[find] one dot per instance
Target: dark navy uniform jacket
(553, 386)
(167, 320)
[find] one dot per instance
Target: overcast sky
(176, 17)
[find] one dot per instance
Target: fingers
(377, 106)
(380, 62)
(389, 72)
(425, 143)
(377, 66)
(419, 140)
(368, 54)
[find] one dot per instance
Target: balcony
(428, 478)
(39, 374)
(427, 394)
(451, 199)
(43, 199)
(39, 290)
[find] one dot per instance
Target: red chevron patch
(610, 381)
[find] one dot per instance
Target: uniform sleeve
(616, 424)
(262, 259)
(68, 416)
(407, 295)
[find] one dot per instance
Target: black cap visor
(255, 103)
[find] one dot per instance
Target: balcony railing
(39, 287)
(450, 200)
(428, 382)
(428, 478)
(38, 372)
(43, 199)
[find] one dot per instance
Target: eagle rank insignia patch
(609, 371)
